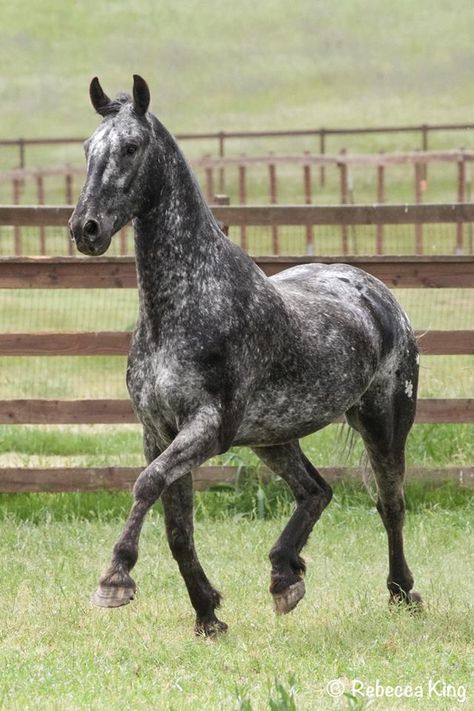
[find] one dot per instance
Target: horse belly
(282, 416)
(313, 398)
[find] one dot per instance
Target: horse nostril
(91, 228)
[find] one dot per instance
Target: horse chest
(162, 385)
(147, 378)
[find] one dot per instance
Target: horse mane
(114, 106)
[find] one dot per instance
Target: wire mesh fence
(363, 240)
(84, 310)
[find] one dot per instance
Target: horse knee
(148, 486)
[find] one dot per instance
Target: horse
(223, 355)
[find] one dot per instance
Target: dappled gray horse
(223, 356)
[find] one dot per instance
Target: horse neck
(177, 241)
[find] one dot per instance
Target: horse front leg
(178, 507)
(312, 494)
(196, 442)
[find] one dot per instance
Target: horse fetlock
(402, 593)
(400, 584)
(411, 599)
(209, 626)
(125, 555)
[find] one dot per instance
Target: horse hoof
(412, 600)
(287, 600)
(112, 596)
(415, 602)
(211, 628)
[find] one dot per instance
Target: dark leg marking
(312, 494)
(178, 506)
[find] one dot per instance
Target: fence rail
(117, 343)
(119, 411)
(36, 480)
(119, 272)
(375, 214)
(222, 137)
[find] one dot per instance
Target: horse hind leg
(312, 495)
(384, 417)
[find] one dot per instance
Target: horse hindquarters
(383, 417)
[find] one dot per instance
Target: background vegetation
(230, 65)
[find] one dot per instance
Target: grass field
(57, 652)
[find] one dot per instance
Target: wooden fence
(82, 272)
(215, 170)
(222, 138)
(343, 161)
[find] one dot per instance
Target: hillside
(238, 65)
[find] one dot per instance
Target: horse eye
(130, 149)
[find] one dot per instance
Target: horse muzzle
(90, 236)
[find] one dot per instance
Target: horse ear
(100, 100)
(141, 95)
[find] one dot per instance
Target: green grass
(56, 651)
(115, 309)
(109, 445)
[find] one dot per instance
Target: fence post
(21, 148)
(418, 200)
(308, 200)
(344, 197)
(222, 200)
(461, 197)
(322, 150)
(68, 189)
(40, 198)
(69, 201)
(424, 147)
(379, 234)
(243, 201)
(273, 201)
(17, 228)
(221, 136)
(209, 182)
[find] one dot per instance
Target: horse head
(120, 157)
